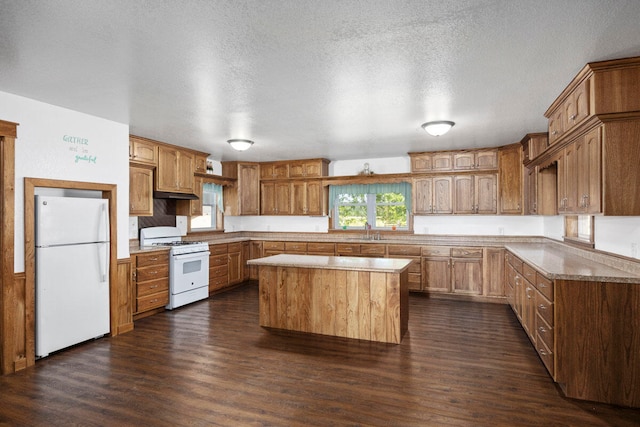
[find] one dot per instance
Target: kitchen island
(352, 297)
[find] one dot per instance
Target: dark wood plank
(209, 363)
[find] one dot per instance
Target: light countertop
(557, 263)
(382, 265)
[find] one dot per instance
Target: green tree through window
(381, 211)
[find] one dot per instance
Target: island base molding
(345, 303)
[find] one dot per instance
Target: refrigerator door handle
(103, 225)
(103, 261)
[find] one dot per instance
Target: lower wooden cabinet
(236, 268)
(218, 267)
(151, 278)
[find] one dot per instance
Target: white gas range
(188, 264)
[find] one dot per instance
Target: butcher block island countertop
(352, 297)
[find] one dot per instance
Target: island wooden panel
(346, 303)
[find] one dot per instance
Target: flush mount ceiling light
(240, 144)
(438, 128)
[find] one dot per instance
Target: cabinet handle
(153, 272)
(542, 329)
(542, 351)
(153, 287)
(573, 117)
(153, 259)
(526, 291)
(542, 285)
(542, 307)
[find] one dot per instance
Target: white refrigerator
(72, 271)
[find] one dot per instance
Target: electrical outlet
(501, 231)
(634, 250)
(133, 227)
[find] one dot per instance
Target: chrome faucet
(367, 227)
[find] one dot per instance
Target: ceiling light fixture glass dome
(437, 128)
(240, 144)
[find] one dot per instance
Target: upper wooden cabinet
(475, 194)
(473, 160)
(533, 144)
(140, 191)
(451, 161)
(306, 198)
(432, 195)
(175, 170)
(308, 168)
(244, 197)
(142, 150)
(600, 88)
(510, 180)
(275, 170)
(275, 197)
(200, 163)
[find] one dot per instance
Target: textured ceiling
(335, 79)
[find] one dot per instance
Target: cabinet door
(422, 196)
(594, 145)
(235, 266)
(487, 159)
(167, 172)
(464, 161)
(255, 252)
(185, 172)
(196, 205)
(140, 191)
(532, 190)
(493, 272)
(314, 198)
(141, 151)
(442, 195)
(283, 198)
(571, 178)
(421, 163)
(485, 193)
(200, 164)
(436, 274)
(246, 256)
(249, 189)
(442, 162)
(510, 180)
(313, 169)
(268, 198)
(298, 198)
(555, 125)
(467, 276)
(463, 194)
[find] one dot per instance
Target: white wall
(619, 235)
(377, 166)
(478, 225)
(43, 152)
(283, 224)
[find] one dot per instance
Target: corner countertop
(556, 262)
(382, 265)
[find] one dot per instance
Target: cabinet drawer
(276, 246)
(216, 283)
(217, 260)
(436, 251)
(544, 308)
(515, 262)
(544, 331)
(546, 355)
(321, 248)
(466, 252)
(529, 273)
(217, 249)
(297, 247)
(219, 271)
(152, 287)
(347, 249)
(235, 247)
(372, 250)
(152, 273)
(414, 279)
(152, 259)
(149, 302)
(545, 286)
(404, 250)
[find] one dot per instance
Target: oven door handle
(193, 255)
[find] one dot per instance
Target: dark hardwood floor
(460, 364)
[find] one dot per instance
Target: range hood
(174, 196)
